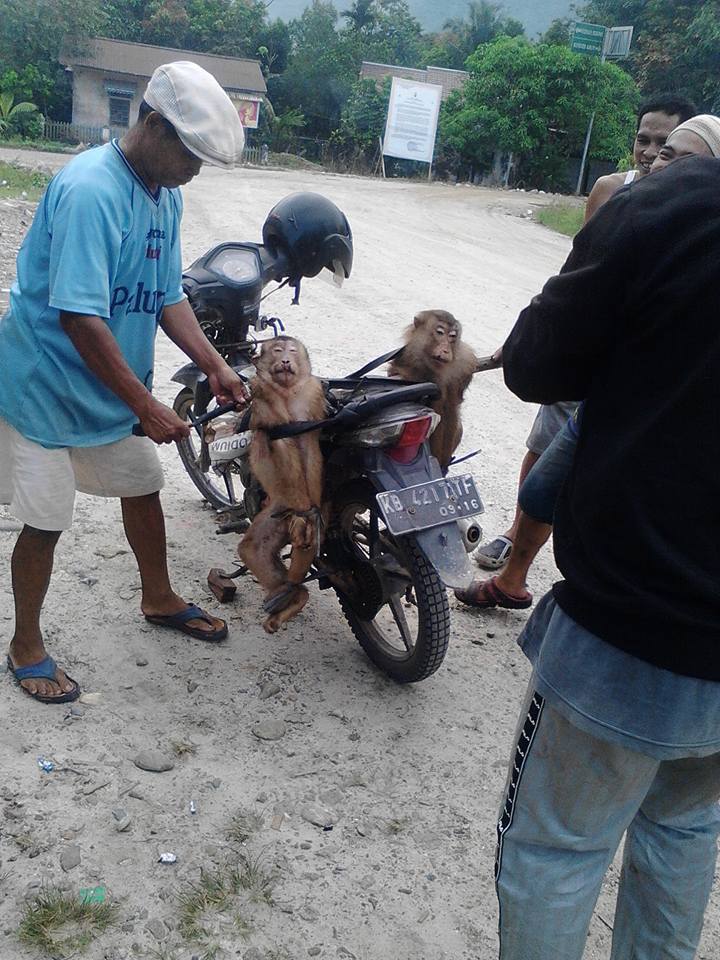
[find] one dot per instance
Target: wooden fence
(78, 133)
(75, 133)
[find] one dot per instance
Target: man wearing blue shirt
(99, 270)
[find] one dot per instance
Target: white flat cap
(201, 112)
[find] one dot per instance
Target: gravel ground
(372, 807)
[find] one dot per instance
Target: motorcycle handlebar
(274, 265)
(352, 414)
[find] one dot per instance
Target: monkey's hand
(227, 387)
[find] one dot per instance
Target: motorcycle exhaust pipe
(471, 533)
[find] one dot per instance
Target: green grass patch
(564, 218)
(216, 901)
(16, 180)
(61, 924)
(47, 146)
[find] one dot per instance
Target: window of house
(119, 111)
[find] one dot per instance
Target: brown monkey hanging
(434, 351)
(290, 472)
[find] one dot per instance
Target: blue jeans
(539, 492)
(570, 798)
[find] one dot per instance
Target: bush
(27, 126)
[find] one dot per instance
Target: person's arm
(93, 340)
(569, 329)
(180, 324)
(601, 192)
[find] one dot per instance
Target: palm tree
(484, 22)
(9, 109)
(361, 14)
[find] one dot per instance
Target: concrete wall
(91, 105)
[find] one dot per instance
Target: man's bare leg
(32, 563)
(145, 530)
(529, 461)
(530, 536)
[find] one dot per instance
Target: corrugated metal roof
(448, 79)
(141, 59)
(370, 70)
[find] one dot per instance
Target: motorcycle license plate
(430, 504)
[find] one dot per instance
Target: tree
(284, 128)
(274, 48)
(229, 27)
(483, 22)
(676, 44)
(324, 61)
(363, 117)
(558, 33)
(534, 101)
(361, 15)
(32, 35)
(321, 70)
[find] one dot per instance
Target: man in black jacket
(621, 730)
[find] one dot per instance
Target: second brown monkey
(290, 471)
(434, 351)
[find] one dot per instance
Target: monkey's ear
(420, 319)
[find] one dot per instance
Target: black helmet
(312, 232)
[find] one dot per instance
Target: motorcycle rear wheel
(406, 650)
(222, 491)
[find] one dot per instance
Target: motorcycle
(398, 531)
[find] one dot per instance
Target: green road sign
(587, 38)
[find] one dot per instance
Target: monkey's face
(284, 359)
(441, 342)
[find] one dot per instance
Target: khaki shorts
(39, 484)
(550, 420)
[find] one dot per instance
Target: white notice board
(412, 120)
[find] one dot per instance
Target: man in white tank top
(656, 120)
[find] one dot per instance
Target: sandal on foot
(486, 593)
(494, 555)
(179, 621)
(44, 670)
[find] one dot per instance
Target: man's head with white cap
(698, 136)
(186, 119)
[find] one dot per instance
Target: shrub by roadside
(564, 218)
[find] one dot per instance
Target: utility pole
(593, 39)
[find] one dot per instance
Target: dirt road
(408, 778)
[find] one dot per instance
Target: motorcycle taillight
(414, 434)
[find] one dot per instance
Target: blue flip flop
(179, 621)
(45, 670)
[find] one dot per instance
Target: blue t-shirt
(101, 245)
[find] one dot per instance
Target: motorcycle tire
(432, 635)
(210, 488)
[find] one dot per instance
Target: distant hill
(535, 14)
